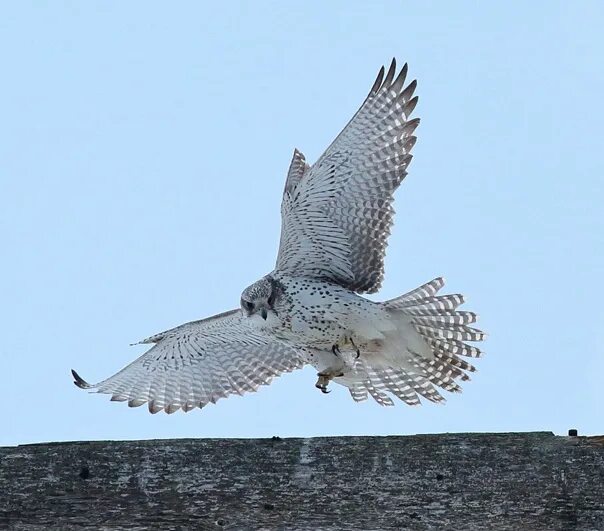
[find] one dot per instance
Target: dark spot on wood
(440, 477)
(84, 472)
(269, 506)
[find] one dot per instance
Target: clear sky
(143, 150)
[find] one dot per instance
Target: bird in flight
(336, 219)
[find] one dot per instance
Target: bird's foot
(324, 379)
(323, 382)
(355, 348)
(335, 348)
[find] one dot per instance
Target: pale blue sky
(143, 149)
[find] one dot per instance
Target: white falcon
(336, 218)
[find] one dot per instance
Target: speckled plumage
(336, 219)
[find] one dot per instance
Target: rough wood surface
(520, 481)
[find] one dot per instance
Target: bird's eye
(271, 299)
(247, 305)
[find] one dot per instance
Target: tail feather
(446, 367)
(424, 387)
(358, 392)
(458, 333)
(445, 331)
(398, 384)
(442, 373)
(373, 385)
(439, 302)
(429, 289)
(453, 348)
(439, 318)
(454, 361)
(441, 334)
(422, 357)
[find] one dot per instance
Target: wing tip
(378, 81)
(385, 78)
(149, 340)
(390, 74)
(78, 381)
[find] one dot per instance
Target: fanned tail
(438, 321)
(438, 365)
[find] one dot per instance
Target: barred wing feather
(337, 214)
(197, 363)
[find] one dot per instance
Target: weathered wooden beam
(520, 481)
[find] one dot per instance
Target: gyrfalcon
(336, 219)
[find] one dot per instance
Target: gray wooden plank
(449, 481)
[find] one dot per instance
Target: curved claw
(322, 388)
(356, 348)
(322, 383)
(336, 350)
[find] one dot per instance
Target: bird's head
(259, 298)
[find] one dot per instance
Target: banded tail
(437, 365)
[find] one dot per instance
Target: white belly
(319, 314)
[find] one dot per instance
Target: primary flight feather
(336, 219)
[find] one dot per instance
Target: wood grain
(451, 481)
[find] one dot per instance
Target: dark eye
(271, 299)
(247, 305)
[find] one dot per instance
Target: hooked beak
(264, 313)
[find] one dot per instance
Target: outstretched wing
(337, 214)
(197, 363)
